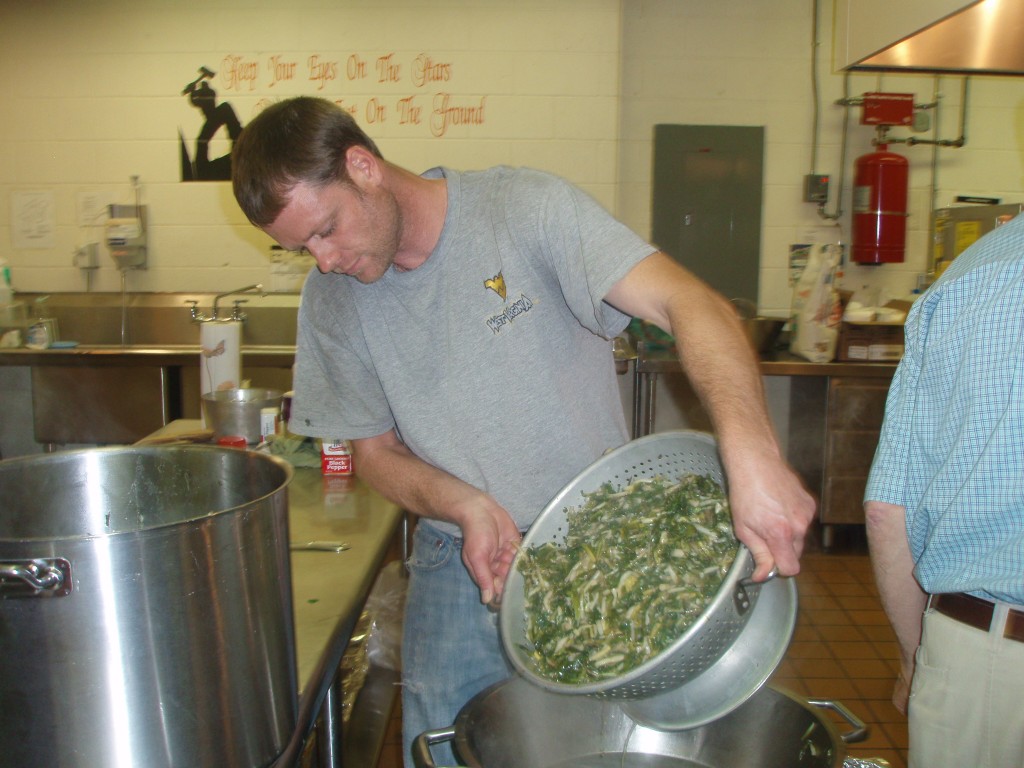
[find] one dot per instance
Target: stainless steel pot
(515, 724)
(146, 612)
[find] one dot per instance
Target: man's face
(348, 230)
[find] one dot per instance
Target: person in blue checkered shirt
(945, 511)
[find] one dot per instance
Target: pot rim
(61, 456)
(468, 717)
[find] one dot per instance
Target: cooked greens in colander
(636, 569)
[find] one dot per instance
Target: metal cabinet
(103, 405)
(119, 397)
(853, 422)
(835, 414)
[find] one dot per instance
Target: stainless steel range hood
(985, 37)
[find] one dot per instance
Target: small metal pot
(763, 332)
(514, 724)
(145, 609)
(236, 412)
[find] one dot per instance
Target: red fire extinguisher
(880, 207)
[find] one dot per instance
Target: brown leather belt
(977, 613)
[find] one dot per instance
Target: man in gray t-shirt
(458, 332)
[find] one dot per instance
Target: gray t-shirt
(493, 359)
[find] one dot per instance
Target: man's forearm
(722, 368)
(902, 597)
(490, 536)
(771, 509)
(403, 478)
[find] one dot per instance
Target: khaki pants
(966, 707)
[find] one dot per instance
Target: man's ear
(362, 165)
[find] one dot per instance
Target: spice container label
(336, 457)
(269, 419)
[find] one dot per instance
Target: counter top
(173, 355)
(775, 363)
(330, 586)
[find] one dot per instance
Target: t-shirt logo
(509, 314)
(496, 284)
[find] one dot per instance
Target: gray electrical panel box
(816, 188)
(706, 208)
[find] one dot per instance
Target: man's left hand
(771, 512)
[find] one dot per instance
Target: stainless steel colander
(706, 641)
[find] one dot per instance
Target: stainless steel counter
(328, 588)
(112, 394)
(164, 355)
(648, 364)
(776, 363)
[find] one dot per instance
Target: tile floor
(843, 649)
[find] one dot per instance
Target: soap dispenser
(6, 292)
(43, 331)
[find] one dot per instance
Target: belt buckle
(1013, 628)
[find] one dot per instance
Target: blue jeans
(451, 646)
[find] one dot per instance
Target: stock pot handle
(421, 746)
(860, 730)
(39, 577)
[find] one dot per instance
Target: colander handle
(740, 597)
(860, 730)
(748, 582)
(421, 746)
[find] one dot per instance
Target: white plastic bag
(386, 607)
(814, 326)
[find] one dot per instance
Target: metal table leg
(329, 726)
(651, 386)
(638, 400)
(645, 385)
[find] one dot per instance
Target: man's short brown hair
(304, 139)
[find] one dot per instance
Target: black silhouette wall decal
(200, 167)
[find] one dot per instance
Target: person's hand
(490, 540)
(771, 512)
(901, 691)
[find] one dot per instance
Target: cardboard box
(872, 341)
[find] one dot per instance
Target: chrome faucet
(199, 317)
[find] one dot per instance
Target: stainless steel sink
(136, 349)
(163, 320)
(103, 391)
(163, 349)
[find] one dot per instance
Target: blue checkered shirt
(952, 445)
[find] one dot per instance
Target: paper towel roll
(220, 355)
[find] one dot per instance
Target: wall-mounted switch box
(85, 256)
(816, 188)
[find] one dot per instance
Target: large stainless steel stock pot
(515, 724)
(145, 609)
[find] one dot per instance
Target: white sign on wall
(33, 220)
